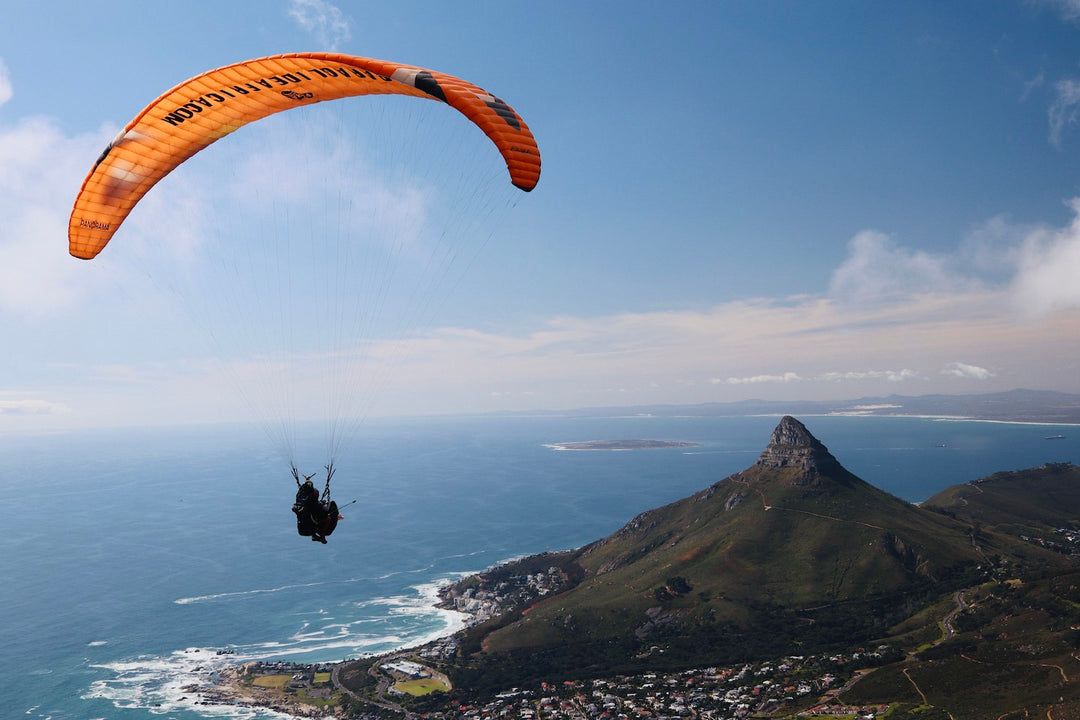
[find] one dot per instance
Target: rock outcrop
(792, 446)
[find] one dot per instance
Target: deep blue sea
(129, 558)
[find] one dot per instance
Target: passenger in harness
(315, 517)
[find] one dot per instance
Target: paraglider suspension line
(329, 475)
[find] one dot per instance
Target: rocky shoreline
(483, 597)
(236, 686)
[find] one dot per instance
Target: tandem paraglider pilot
(315, 517)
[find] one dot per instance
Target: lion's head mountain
(794, 553)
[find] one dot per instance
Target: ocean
(133, 562)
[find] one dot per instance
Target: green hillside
(1010, 653)
(793, 552)
(1034, 500)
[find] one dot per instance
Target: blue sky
(739, 200)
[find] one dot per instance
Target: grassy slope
(772, 561)
(766, 547)
(1015, 655)
(754, 540)
(1047, 496)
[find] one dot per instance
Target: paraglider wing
(201, 110)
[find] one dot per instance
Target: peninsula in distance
(621, 445)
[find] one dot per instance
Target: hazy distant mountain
(794, 551)
(1014, 405)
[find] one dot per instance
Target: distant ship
(1055, 437)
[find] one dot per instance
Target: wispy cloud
(892, 376)
(1067, 9)
(788, 377)
(1005, 298)
(1064, 110)
(963, 370)
(324, 20)
(878, 269)
(6, 90)
(40, 170)
(32, 407)
(1033, 84)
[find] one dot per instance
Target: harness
(326, 489)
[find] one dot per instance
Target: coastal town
(803, 686)
(490, 594)
(791, 686)
(795, 685)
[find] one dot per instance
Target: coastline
(469, 600)
(434, 595)
(620, 445)
(233, 686)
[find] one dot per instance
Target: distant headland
(620, 445)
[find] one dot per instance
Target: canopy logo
(298, 96)
(94, 224)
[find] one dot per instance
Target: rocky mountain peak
(792, 445)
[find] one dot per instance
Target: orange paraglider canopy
(208, 107)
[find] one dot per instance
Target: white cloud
(1048, 269)
(1064, 110)
(1038, 266)
(904, 313)
(892, 376)
(1068, 9)
(826, 377)
(963, 370)
(6, 91)
(787, 377)
(324, 20)
(40, 172)
(991, 251)
(878, 270)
